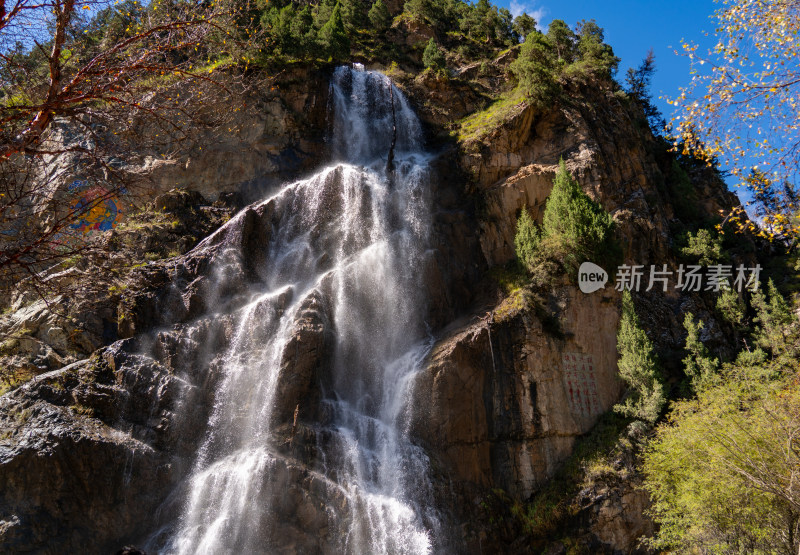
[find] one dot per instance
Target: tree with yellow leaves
(742, 107)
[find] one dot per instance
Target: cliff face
(90, 452)
(506, 394)
(275, 133)
(505, 398)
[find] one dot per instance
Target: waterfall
(350, 242)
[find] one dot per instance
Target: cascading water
(353, 237)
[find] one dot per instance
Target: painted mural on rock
(98, 208)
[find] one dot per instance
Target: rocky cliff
(91, 451)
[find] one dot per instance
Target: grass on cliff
(478, 124)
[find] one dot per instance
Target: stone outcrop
(606, 149)
(70, 480)
(275, 133)
(505, 397)
(83, 314)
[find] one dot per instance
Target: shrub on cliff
(354, 14)
(548, 60)
(583, 226)
(595, 59)
(291, 30)
(523, 25)
(527, 239)
(699, 365)
(422, 10)
(704, 246)
(723, 472)
(777, 323)
(637, 367)
(433, 57)
(574, 229)
(535, 68)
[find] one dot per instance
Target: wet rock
(70, 483)
(305, 359)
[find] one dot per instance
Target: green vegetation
(524, 25)
(432, 57)
(477, 125)
(547, 60)
(535, 69)
(333, 37)
(527, 239)
(637, 366)
(723, 474)
(684, 198)
(700, 367)
(731, 307)
(777, 330)
(379, 16)
(515, 302)
(723, 471)
(574, 229)
(582, 225)
(10, 380)
(602, 455)
(637, 86)
(318, 31)
(511, 277)
(83, 410)
(704, 246)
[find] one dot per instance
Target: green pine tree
(637, 366)
(535, 69)
(379, 16)
(526, 240)
(322, 13)
(420, 9)
(333, 37)
(585, 228)
(705, 246)
(504, 28)
(433, 57)
(302, 32)
(523, 25)
(354, 14)
(596, 57)
(563, 40)
(731, 306)
(777, 325)
(698, 364)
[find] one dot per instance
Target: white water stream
(357, 236)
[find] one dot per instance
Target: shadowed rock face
(499, 410)
(97, 455)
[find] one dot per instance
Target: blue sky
(632, 28)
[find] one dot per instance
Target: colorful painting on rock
(99, 209)
(580, 383)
